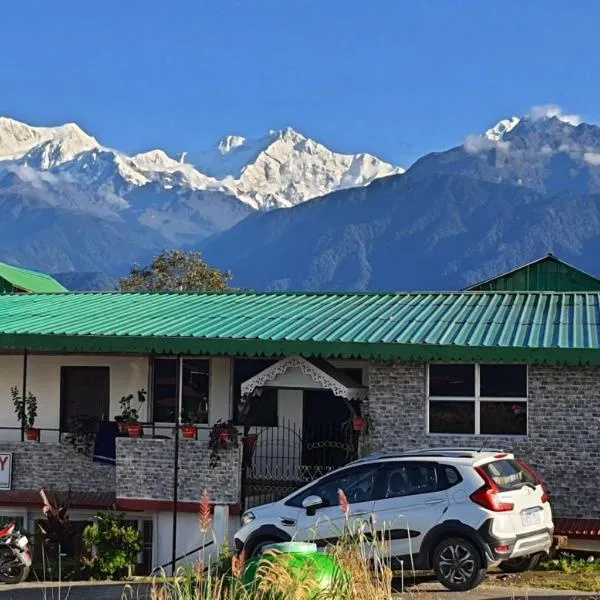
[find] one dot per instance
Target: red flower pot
(188, 432)
(135, 430)
(225, 436)
(358, 424)
(122, 426)
(32, 435)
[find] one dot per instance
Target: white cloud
(478, 143)
(552, 110)
(32, 176)
(592, 158)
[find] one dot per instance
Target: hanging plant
(223, 436)
(26, 411)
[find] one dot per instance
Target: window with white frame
(194, 380)
(477, 399)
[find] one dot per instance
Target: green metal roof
(543, 275)
(13, 279)
(531, 327)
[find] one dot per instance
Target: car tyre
(458, 564)
(521, 564)
(255, 548)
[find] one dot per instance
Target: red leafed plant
(55, 527)
(205, 512)
(344, 504)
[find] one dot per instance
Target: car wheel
(521, 564)
(256, 548)
(458, 565)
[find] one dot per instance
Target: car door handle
(287, 522)
(359, 514)
(435, 501)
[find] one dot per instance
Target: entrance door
(327, 437)
(84, 397)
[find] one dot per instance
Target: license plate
(531, 516)
(22, 542)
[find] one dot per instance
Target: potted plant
(26, 411)
(223, 435)
(188, 429)
(129, 418)
(359, 423)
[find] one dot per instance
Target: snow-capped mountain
(285, 168)
(61, 183)
(280, 170)
(527, 186)
(545, 150)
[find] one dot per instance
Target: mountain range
(73, 204)
(286, 213)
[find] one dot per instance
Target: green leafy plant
(223, 435)
(25, 407)
(193, 417)
(113, 544)
(129, 413)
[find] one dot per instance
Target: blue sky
(394, 77)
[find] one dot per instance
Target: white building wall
(190, 537)
(127, 375)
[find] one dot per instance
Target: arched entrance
(324, 399)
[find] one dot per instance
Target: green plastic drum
(302, 560)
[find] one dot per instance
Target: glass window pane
(358, 484)
(195, 377)
(408, 480)
(503, 418)
(452, 380)
(164, 390)
(451, 417)
(263, 411)
(503, 381)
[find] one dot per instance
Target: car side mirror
(311, 503)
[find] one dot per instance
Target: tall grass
(361, 572)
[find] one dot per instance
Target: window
(195, 380)
(357, 483)
(19, 522)
(408, 480)
(477, 399)
(84, 398)
(508, 474)
(263, 410)
(146, 529)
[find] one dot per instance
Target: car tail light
(487, 495)
(536, 478)
(502, 549)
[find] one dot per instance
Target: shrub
(113, 544)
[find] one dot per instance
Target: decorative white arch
(317, 374)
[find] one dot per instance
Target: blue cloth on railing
(105, 448)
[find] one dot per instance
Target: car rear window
(508, 474)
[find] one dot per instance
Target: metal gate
(279, 460)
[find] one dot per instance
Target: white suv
(455, 510)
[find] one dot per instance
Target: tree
(176, 271)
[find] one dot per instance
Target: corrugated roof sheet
(29, 281)
(507, 326)
(543, 275)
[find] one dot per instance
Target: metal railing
(58, 434)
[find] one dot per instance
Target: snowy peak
(230, 142)
(285, 168)
(281, 169)
(46, 146)
(496, 133)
